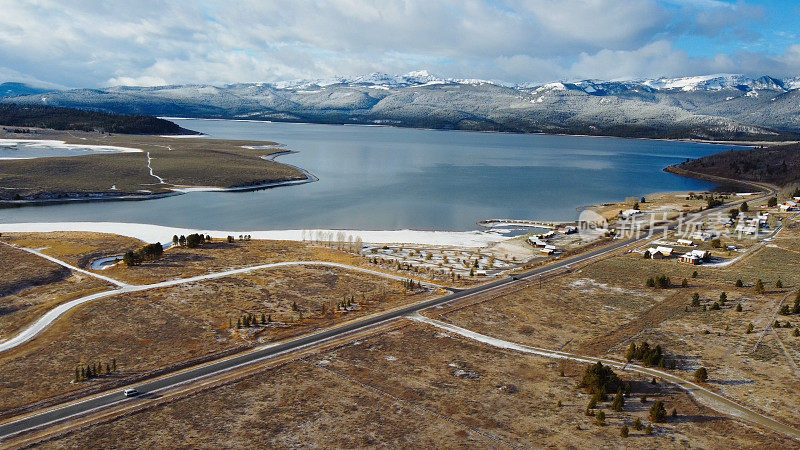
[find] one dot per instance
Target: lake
(383, 178)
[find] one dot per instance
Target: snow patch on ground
(53, 144)
(590, 285)
(158, 233)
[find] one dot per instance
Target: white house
(686, 242)
(628, 213)
(660, 252)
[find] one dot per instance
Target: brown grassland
(30, 286)
(156, 329)
(415, 387)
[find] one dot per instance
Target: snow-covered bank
(54, 145)
(158, 233)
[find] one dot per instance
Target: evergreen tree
(759, 286)
(601, 418)
(738, 307)
(649, 429)
(657, 412)
(619, 401)
(175, 239)
(113, 364)
(779, 284)
(264, 318)
(624, 431)
(694, 274)
(77, 375)
(701, 375)
(637, 424)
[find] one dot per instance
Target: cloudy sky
(101, 43)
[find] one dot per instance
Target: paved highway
(270, 351)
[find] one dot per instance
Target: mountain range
(717, 107)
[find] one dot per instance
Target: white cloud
(94, 43)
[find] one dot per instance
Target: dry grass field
(414, 386)
(156, 329)
(30, 286)
(80, 249)
(603, 307)
(180, 162)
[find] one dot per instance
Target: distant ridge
(715, 107)
(55, 118)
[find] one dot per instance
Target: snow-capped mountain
(720, 106)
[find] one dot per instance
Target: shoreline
(738, 143)
(71, 197)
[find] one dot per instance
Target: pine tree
(624, 431)
(701, 375)
(738, 307)
(108, 368)
(601, 418)
(264, 318)
(649, 429)
(779, 284)
(739, 283)
(113, 364)
(759, 287)
(77, 375)
(657, 412)
(694, 274)
(637, 424)
(619, 401)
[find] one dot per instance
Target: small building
(569, 229)
(537, 242)
(659, 252)
(688, 258)
(686, 242)
(702, 254)
(547, 251)
(628, 213)
(702, 235)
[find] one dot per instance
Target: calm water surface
(390, 178)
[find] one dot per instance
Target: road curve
(709, 398)
(49, 317)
